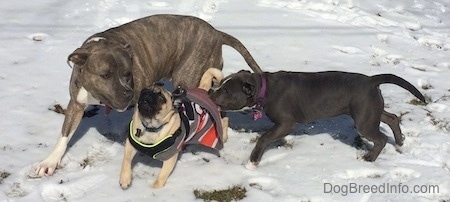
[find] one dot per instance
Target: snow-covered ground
(409, 38)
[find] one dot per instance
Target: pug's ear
(79, 57)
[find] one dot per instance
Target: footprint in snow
(347, 49)
(209, 8)
(37, 36)
(403, 174)
(266, 184)
(160, 4)
(98, 155)
(269, 159)
(71, 190)
(362, 173)
(431, 42)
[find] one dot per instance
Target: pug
(163, 124)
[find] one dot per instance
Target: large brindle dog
(288, 98)
(112, 67)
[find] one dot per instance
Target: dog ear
(248, 88)
(243, 71)
(78, 57)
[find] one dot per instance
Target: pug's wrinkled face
(154, 103)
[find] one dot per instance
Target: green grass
(234, 193)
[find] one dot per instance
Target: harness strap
(155, 149)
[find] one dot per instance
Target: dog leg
(393, 122)
(378, 145)
(166, 169)
(72, 119)
(225, 128)
(372, 133)
(277, 132)
(126, 172)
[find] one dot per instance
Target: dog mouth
(108, 107)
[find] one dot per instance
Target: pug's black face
(151, 101)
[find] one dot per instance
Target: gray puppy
(288, 98)
(112, 67)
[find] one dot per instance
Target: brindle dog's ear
(79, 56)
(127, 48)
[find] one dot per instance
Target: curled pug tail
(236, 44)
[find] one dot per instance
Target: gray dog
(288, 98)
(112, 67)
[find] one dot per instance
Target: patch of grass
(442, 124)
(3, 175)
(417, 102)
(234, 193)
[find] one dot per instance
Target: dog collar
(151, 129)
(153, 150)
(257, 110)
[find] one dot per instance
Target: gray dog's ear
(248, 88)
(78, 57)
(244, 71)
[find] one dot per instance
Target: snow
(407, 38)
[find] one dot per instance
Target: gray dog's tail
(393, 79)
(236, 44)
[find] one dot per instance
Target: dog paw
(45, 168)
(251, 165)
(370, 157)
(158, 184)
(125, 181)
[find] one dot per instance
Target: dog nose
(128, 94)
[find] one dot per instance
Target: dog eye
(127, 74)
(106, 76)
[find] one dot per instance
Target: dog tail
(236, 44)
(393, 79)
(212, 75)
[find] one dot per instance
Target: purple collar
(257, 110)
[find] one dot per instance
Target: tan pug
(157, 129)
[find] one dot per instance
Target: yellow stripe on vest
(135, 139)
